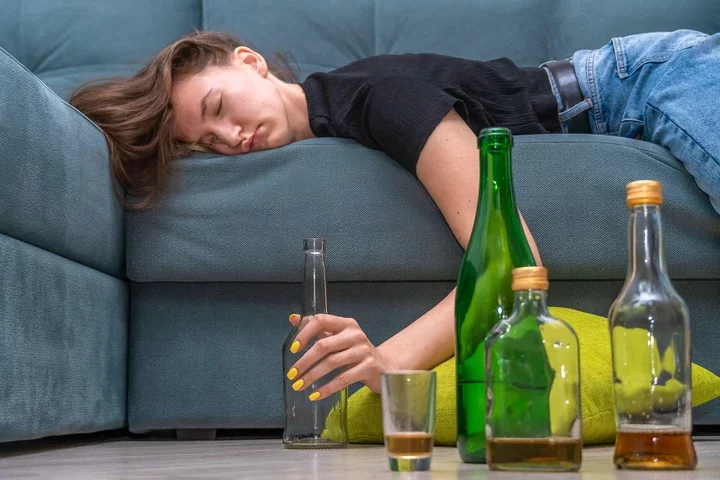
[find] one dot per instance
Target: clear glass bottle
(484, 297)
(532, 363)
(650, 339)
(320, 423)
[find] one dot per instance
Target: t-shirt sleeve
(400, 114)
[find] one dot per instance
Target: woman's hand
(343, 344)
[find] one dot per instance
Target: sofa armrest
(55, 188)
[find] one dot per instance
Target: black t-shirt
(394, 102)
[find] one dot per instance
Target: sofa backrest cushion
(325, 34)
(67, 42)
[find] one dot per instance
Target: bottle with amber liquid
(650, 339)
(532, 374)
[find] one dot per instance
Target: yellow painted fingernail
(292, 373)
(295, 347)
(293, 315)
(298, 385)
(314, 396)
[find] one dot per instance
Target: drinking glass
(408, 405)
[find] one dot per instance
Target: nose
(231, 135)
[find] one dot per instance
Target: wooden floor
(266, 459)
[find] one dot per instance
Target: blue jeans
(663, 88)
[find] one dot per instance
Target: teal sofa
(174, 318)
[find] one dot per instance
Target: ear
(252, 59)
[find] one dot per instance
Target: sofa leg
(196, 433)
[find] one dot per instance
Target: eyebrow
(203, 104)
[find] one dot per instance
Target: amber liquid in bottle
(556, 453)
(653, 449)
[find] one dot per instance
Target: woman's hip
(619, 77)
(663, 88)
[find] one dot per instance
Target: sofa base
(208, 355)
(196, 434)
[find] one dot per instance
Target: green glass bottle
(484, 295)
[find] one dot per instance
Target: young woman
(209, 92)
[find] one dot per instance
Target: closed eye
(219, 107)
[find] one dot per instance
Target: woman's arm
(449, 169)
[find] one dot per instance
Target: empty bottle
(319, 423)
(484, 297)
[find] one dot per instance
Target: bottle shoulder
(522, 325)
(650, 288)
(650, 302)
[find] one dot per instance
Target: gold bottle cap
(644, 191)
(530, 278)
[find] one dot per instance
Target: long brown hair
(137, 116)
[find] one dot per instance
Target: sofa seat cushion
(243, 218)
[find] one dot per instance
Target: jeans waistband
(571, 103)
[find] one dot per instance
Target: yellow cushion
(365, 411)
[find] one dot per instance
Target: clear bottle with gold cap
(532, 371)
(650, 338)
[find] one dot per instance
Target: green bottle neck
(498, 218)
(496, 182)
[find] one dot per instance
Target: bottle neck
(645, 244)
(496, 182)
(497, 218)
(530, 303)
(314, 286)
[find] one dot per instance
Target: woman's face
(232, 109)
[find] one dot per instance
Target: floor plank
(266, 459)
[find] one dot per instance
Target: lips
(251, 141)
